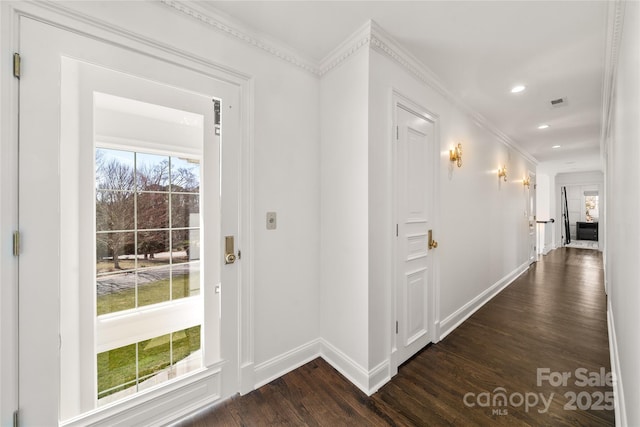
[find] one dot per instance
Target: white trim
(368, 381)
(351, 370)
(369, 35)
(383, 43)
(61, 16)
(348, 48)
(213, 18)
(399, 100)
(157, 406)
(467, 310)
(286, 362)
(618, 389)
(126, 327)
(615, 19)
(548, 248)
(379, 376)
(8, 219)
(246, 240)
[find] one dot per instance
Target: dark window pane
(114, 210)
(114, 252)
(153, 210)
(153, 248)
(185, 210)
(185, 175)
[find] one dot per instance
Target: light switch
(271, 221)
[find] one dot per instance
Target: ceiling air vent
(560, 102)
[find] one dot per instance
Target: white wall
(284, 127)
(483, 225)
(344, 209)
(623, 227)
(483, 229)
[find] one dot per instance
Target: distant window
(591, 208)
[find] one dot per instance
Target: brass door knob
(230, 258)
(432, 243)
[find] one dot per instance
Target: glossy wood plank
(553, 316)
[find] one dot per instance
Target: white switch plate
(271, 221)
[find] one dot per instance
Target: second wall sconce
(502, 173)
(455, 155)
(526, 181)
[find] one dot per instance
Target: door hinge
(16, 65)
(396, 326)
(396, 230)
(216, 115)
(16, 243)
(397, 132)
(15, 418)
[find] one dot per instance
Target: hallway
(553, 316)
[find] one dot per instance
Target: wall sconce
(455, 155)
(526, 181)
(502, 173)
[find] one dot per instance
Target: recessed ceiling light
(556, 146)
(545, 126)
(518, 88)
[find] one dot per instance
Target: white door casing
(532, 216)
(46, 182)
(414, 205)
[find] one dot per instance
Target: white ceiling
(479, 49)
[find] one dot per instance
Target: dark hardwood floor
(553, 316)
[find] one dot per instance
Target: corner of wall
(467, 310)
(284, 363)
(619, 402)
(368, 381)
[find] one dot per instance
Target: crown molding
(214, 19)
(615, 21)
(349, 47)
(370, 35)
(382, 42)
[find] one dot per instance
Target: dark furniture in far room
(587, 231)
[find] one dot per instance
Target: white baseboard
(368, 381)
(618, 390)
(379, 376)
(346, 366)
(463, 313)
(247, 378)
(160, 405)
(282, 364)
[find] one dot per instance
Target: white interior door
(414, 201)
(531, 211)
(125, 194)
